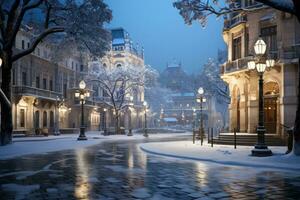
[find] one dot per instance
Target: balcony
(234, 21)
(290, 52)
(32, 91)
(236, 65)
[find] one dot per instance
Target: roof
(170, 119)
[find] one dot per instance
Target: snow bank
(39, 145)
(222, 154)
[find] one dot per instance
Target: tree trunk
(6, 111)
(296, 146)
(117, 123)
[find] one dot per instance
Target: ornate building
(43, 89)
(281, 33)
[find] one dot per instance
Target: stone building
(281, 33)
(43, 89)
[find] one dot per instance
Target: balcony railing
(27, 90)
(231, 66)
(291, 52)
(231, 22)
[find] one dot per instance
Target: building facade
(43, 100)
(281, 33)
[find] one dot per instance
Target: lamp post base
(82, 134)
(261, 151)
(130, 133)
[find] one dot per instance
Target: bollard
(290, 140)
(193, 136)
(234, 131)
(212, 137)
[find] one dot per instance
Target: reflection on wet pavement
(119, 170)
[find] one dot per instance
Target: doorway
(270, 115)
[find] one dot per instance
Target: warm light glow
(63, 108)
(82, 85)
(198, 100)
(77, 94)
(201, 90)
(251, 65)
(270, 63)
(0, 62)
(81, 96)
(145, 103)
(260, 47)
(194, 109)
(260, 67)
(104, 109)
(130, 98)
(204, 100)
(87, 94)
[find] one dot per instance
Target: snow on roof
(118, 41)
(184, 94)
(170, 119)
(268, 16)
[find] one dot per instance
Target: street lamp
(104, 121)
(260, 64)
(56, 128)
(145, 108)
(201, 99)
(129, 116)
(82, 93)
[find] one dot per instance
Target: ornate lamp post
(201, 99)
(260, 63)
(104, 121)
(145, 109)
(82, 93)
(56, 125)
(129, 116)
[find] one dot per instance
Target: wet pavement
(120, 170)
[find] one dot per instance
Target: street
(120, 170)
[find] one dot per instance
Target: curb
(232, 163)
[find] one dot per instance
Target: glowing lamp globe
(251, 65)
(200, 90)
(82, 85)
(270, 63)
(145, 103)
(260, 47)
(260, 67)
(77, 94)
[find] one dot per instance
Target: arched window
(51, 119)
(37, 119)
(44, 119)
(119, 65)
(104, 65)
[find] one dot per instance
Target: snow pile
(222, 154)
(38, 145)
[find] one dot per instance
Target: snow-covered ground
(39, 145)
(223, 154)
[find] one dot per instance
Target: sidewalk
(40, 145)
(223, 154)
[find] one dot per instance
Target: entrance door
(270, 114)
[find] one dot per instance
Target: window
(247, 42)
(119, 65)
(23, 44)
(81, 68)
(96, 93)
(37, 82)
(72, 65)
(44, 83)
(51, 85)
(24, 78)
(38, 51)
(269, 35)
(37, 119)
(65, 90)
(51, 119)
(14, 76)
(28, 45)
(236, 48)
(45, 54)
(44, 119)
(22, 118)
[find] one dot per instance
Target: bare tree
(77, 21)
(118, 83)
(192, 10)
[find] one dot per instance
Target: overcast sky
(157, 25)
